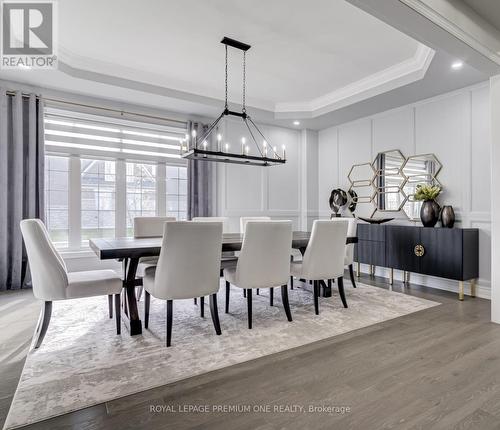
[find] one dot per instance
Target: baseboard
(483, 287)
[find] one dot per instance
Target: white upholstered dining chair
(188, 267)
(224, 220)
(228, 259)
(245, 219)
(324, 257)
(349, 249)
(144, 227)
(264, 262)
(51, 280)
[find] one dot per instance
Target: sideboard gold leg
(372, 270)
(473, 288)
(358, 269)
(391, 277)
(460, 290)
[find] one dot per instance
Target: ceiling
(319, 61)
(489, 10)
(300, 50)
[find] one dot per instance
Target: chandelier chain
(226, 106)
(244, 81)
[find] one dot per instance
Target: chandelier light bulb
(219, 137)
(227, 147)
(247, 150)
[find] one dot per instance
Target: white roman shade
(76, 133)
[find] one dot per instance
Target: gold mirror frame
(366, 182)
(411, 208)
(394, 191)
(401, 180)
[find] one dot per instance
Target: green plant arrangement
(427, 192)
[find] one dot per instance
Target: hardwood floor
(435, 369)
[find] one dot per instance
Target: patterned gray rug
(82, 362)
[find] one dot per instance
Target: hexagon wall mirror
(361, 179)
(419, 169)
(361, 174)
(389, 180)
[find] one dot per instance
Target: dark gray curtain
(21, 180)
(201, 180)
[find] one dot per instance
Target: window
(102, 172)
(176, 192)
(56, 198)
(98, 184)
(141, 192)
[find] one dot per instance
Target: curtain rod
(121, 112)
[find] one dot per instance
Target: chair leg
(257, 291)
(43, 323)
(271, 296)
(195, 301)
(169, 321)
(249, 306)
(202, 307)
(110, 305)
(139, 292)
(215, 313)
(340, 282)
(286, 304)
(351, 273)
(118, 317)
(291, 282)
(228, 289)
(147, 301)
(244, 293)
(316, 297)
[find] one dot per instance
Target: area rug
(82, 361)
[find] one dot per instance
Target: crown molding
(489, 33)
(404, 73)
(400, 74)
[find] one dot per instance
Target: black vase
(448, 216)
(429, 213)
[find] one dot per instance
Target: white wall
(455, 127)
(288, 191)
(495, 196)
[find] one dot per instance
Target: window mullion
(121, 199)
(161, 190)
(74, 204)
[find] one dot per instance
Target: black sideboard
(451, 253)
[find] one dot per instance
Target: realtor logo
(28, 35)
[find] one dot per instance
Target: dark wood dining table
(129, 250)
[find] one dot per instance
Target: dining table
(129, 250)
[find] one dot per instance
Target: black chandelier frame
(195, 151)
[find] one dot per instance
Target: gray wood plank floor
(435, 369)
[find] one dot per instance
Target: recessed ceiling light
(457, 65)
(296, 123)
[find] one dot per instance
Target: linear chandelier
(200, 147)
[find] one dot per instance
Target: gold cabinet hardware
(419, 250)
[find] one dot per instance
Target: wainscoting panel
(455, 127)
